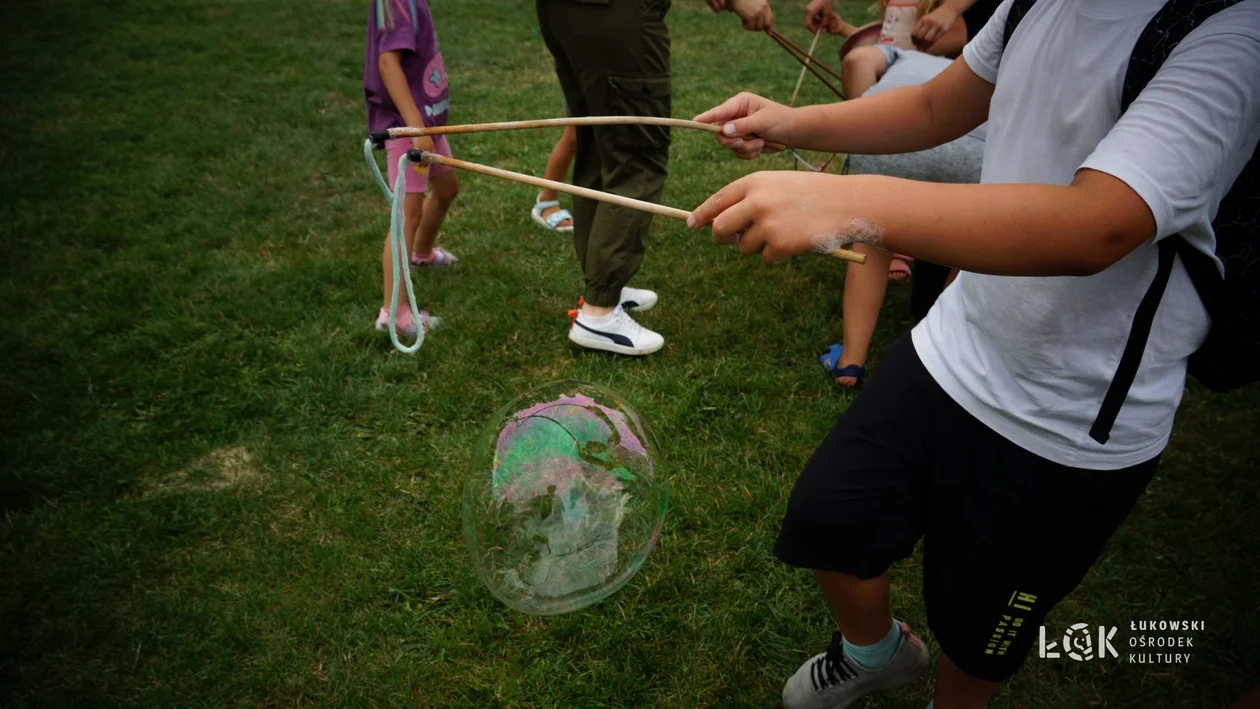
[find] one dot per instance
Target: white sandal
(551, 223)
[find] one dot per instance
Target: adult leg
(620, 54)
(555, 18)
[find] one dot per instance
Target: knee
(446, 190)
(863, 58)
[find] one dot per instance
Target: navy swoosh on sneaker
(618, 339)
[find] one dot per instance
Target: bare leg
(861, 606)
(443, 189)
(413, 204)
(864, 287)
(860, 69)
(558, 166)
(956, 689)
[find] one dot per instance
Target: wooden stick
(795, 48)
(807, 63)
(436, 159)
(416, 132)
(542, 183)
(804, 66)
(801, 79)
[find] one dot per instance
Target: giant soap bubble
(564, 499)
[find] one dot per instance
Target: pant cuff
(603, 297)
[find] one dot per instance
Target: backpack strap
(1136, 344)
(1018, 9)
(1163, 33)
(1161, 36)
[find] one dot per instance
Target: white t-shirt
(1032, 357)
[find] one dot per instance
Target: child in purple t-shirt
(404, 83)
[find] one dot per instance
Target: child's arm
(934, 25)
(948, 44)
(1012, 229)
(900, 120)
(395, 80)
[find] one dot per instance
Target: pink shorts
(417, 173)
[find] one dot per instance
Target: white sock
(596, 319)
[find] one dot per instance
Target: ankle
(876, 655)
(852, 356)
(595, 311)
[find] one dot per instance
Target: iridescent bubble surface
(564, 499)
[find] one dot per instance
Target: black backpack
(1230, 356)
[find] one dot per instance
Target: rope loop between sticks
(402, 263)
(376, 171)
(398, 248)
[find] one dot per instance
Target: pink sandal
(438, 258)
(405, 324)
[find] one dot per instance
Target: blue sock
(877, 656)
(931, 704)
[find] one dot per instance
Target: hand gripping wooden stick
(417, 132)
(435, 159)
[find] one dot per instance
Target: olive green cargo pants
(612, 58)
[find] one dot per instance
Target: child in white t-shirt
(975, 432)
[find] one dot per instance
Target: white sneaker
(833, 680)
(637, 300)
(614, 332)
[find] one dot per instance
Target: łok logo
(1078, 643)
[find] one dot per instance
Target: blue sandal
(830, 361)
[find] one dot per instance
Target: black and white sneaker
(833, 680)
(637, 300)
(614, 332)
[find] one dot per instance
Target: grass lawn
(220, 487)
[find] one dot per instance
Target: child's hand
(717, 5)
(816, 14)
(933, 26)
(782, 214)
(748, 121)
(424, 142)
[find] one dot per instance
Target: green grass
(220, 487)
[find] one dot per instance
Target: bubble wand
(398, 250)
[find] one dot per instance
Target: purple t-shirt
(404, 26)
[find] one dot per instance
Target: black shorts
(1007, 534)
